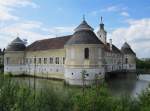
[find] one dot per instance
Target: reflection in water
(117, 86)
(129, 85)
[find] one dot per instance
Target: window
(27, 61)
(30, 61)
(34, 60)
(7, 60)
(20, 60)
(57, 60)
(63, 60)
(126, 61)
(86, 53)
(45, 60)
(51, 60)
(39, 61)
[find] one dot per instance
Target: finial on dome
(101, 19)
(17, 34)
(83, 17)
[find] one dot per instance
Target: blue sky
(125, 20)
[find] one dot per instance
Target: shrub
(18, 97)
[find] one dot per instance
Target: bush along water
(17, 97)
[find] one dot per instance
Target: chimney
(110, 42)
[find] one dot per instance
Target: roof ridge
(53, 38)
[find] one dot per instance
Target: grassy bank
(18, 97)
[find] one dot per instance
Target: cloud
(32, 31)
(61, 30)
(114, 8)
(126, 14)
(111, 9)
(94, 13)
(137, 34)
(7, 7)
(106, 9)
(117, 9)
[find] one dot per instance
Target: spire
(101, 24)
(83, 17)
(102, 34)
(101, 19)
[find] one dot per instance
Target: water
(117, 86)
(131, 86)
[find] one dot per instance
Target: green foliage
(142, 64)
(1, 66)
(144, 100)
(17, 97)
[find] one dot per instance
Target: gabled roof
(126, 49)
(46, 44)
(114, 48)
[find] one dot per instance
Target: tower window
(86, 53)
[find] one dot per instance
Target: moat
(117, 86)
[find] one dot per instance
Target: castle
(68, 56)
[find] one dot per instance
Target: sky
(125, 20)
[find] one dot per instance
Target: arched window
(86, 53)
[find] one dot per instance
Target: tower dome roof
(84, 35)
(83, 26)
(16, 45)
(126, 49)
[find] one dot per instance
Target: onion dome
(84, 35)
(16, 45)
(126, 49)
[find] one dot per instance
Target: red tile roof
(53, 43)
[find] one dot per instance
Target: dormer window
(86, 53)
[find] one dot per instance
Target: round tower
(129, 59)
(14, 57)
(84, 56)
